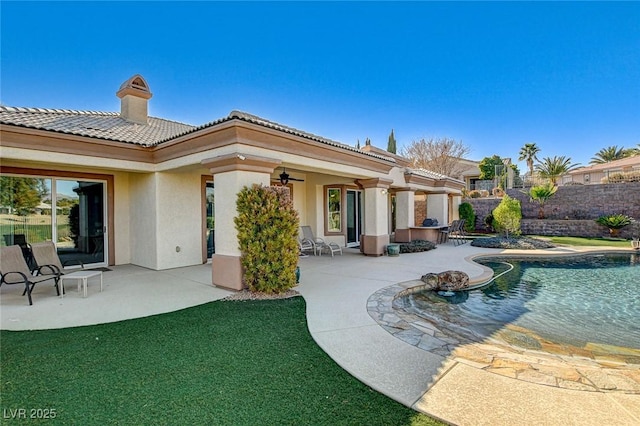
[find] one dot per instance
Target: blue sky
(494, 75)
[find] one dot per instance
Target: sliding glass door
(354, 217)
(70, 212)
(210, 229)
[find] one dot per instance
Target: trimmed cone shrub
(267, 228)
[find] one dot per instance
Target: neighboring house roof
(111, 126)
(432, 175)
(471, 171)
(611, 165)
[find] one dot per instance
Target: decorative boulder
(452, 281)
(431, 281)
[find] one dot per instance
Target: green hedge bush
(466, 212)
(267, 228)
(507, 216)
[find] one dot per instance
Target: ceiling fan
(284, 178)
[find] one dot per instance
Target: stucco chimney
(134, 95)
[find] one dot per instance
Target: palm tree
(553, 168)
(529, 153)
(541, 195)
(611, 153)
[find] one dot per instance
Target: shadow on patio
(129, 292)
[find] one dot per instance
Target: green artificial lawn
(222, 363)
(581, 241)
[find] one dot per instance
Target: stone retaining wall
(569, 228)
(572, 210)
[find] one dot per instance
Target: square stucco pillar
(376, 216)
(438, 207)
(405, 214)
(232, 173)
(456, 201)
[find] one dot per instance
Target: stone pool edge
(584, 373)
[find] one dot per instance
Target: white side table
(82, 277)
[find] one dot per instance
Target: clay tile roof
(239, 115)
(111, 126)
(95, 124)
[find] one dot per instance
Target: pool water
(568, 300)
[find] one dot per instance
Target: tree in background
(367, 142)
(554, 168)
(391, 145)
(529, 153)
(488, 167)
(507, 215)
(541, 195)
(611, 153)
(358, 144)
(440, 155)
(22, 194)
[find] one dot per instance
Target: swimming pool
(590, 299)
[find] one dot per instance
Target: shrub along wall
(572, 210)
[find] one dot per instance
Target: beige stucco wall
(377, 201)
(157, 207)
(300, 195)
(227, 186)
(405, 209)
(179, 220)
(438, 207)
(143, 214)
(165, 213)
(121, 218)
(71, 161)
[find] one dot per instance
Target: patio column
(376, 216)
(231, 173)
(405, 214)
(456, 201)
(438, 207)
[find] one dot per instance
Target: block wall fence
(571, 211)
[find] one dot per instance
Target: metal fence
(35, 228)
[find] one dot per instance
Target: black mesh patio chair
(14, 270)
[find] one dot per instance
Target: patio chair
(332, 248)
(458, 234)
(305, 245)
(14, 270)
(46, 258)
(445, 233)
(318, 244)
(310, 240)
(21, 240)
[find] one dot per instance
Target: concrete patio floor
(336, 291)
